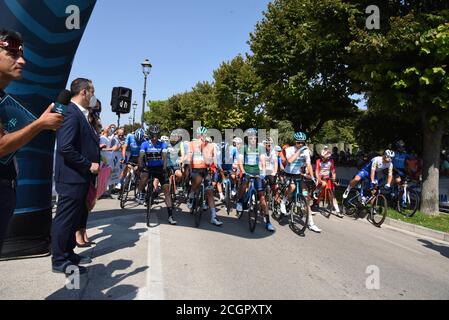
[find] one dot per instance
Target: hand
(122, 161)
(94, 168)
(49, 120)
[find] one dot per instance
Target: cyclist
(298, 163)
(279, 155)
(133, 142)
(155, 153)
(174, 156)
(165, 139)
(399, 161)
(325, 170)
(249, 163)
(269, 156)
(371, 169)
(200, 156)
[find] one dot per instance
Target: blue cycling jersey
(133, 145)
(399, 160)
(153, 153)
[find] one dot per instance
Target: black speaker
(121, 100)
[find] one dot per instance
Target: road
(131, 261)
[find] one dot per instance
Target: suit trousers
(71, 208)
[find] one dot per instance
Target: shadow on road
(443, 250)
(101, 284)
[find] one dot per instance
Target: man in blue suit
(77, 163)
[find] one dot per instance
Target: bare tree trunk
(431, 164)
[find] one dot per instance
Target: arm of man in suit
(66, 137)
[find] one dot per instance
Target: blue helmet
(300, 136)
(251, 132)
(140, 135)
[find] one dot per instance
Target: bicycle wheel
(253, 211)
(410, 204)
(379, 210)
(173, 190)
(198, 208)
(135, 184)
(350, 203)
(228, 196)
(125, 190)
(328, 204)
(299, 215)
(149, 199)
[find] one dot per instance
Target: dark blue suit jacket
(77, 147)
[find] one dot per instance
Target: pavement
(350, 259)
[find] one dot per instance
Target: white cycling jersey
(301, 162)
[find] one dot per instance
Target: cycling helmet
(237, 140)
(277, 149)
(325, 153)
(201, 130)
(400, 144)
(208, 139)
(300, 136)
(139, 135)
(268, 141)
(251, 132)
(153, 130)
(389, 153)
(165, 138)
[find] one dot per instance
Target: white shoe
(216, 222)
(239, 207)
(314, 228)
(283, 208)
(346, 193)
(233, 192)
(118, 186)
(222, 197)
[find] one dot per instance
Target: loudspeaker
(121, 100)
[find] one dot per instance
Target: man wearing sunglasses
(11, 67)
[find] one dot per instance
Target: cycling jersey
(133, 145)
(251, 160)
(325, 168)
(153, 153)
(399, 160)
(174, 153)
(270, 162)
(202, 155)
(378, 165)
(297, 166)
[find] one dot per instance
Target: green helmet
(201, 130)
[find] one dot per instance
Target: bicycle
(173, 186)
(297, 204)
(131, 182)
(227, 186)
(405, 198)
(251, 202)
(327, 196)
(149, 197)
(376, 203)
(199, 201)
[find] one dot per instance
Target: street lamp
(134, 112)
(146, 69)
(130, 119)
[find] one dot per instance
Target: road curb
(438, 235)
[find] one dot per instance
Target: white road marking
(155, 281)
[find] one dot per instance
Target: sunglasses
(12, 46)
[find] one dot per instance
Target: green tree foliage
(299, 53)
(404, 68)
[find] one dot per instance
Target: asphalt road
(350, 259)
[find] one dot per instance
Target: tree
(299, 53)
(131, 128)
(404, 68)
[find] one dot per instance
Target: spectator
(444, 167)
(413, 167)
(77, 163)
(11, 67)
(335, 156)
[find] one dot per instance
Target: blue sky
(184, 40)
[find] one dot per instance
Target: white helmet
(237, 140)
(208, 139)
(389, 153)
(165, 138)
(277, 149)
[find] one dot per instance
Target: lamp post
(130, 119)
(134, 112)
(146, 69)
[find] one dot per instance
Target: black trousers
(71, 209)
(7, 206)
